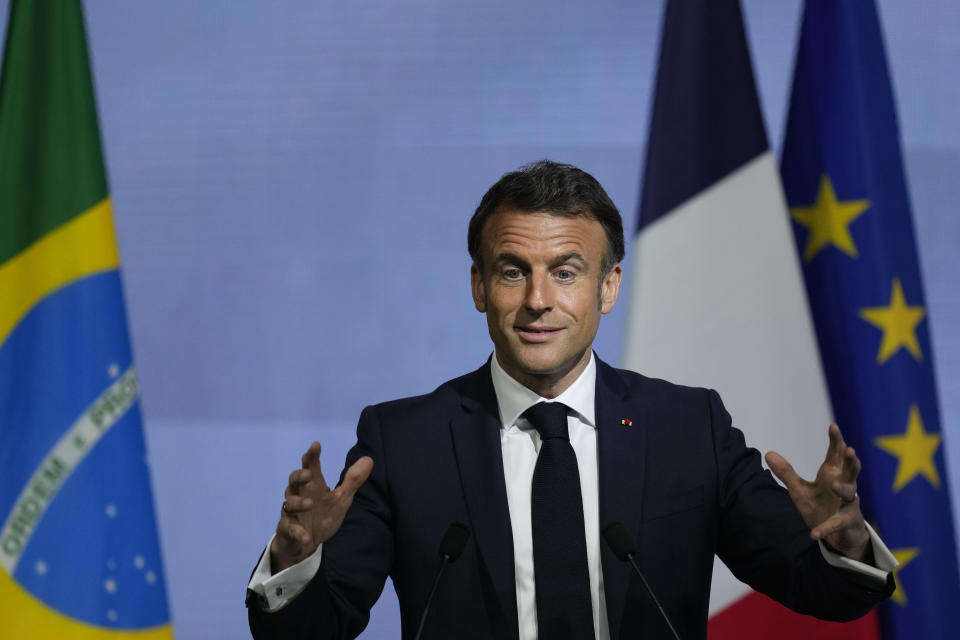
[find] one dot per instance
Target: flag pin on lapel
(627, 422)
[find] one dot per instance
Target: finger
(840, 521)
(297, 504)
(310, 462)
(837, 446)
(847, 491)
(355, 476)
(291, 533)
(311, 457)
(296, 480)
(783, 470)
(851, 466)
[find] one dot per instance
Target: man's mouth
(536, 334)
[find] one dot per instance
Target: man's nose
(539, 293)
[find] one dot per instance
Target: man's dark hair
(550, 187)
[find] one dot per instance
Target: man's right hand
(311, 511)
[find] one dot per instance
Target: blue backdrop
(291, 186)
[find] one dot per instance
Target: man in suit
(664, 460)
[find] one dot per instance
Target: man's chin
(547, 367)
(538, 361)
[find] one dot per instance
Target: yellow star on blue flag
(828, 221)
(914, 450)
(903, 556)
(898, 321)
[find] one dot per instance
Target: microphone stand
(454, 540)
(622, 545)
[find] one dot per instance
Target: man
(486, 449)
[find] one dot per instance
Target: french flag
(717, 297)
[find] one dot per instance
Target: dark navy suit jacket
(677, 475)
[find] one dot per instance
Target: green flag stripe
(51, 164)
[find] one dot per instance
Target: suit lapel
(476, 440)
(621, 452)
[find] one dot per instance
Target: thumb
(354, 477)
(782, 469)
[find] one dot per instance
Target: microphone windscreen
(619, 540)
(454, 540)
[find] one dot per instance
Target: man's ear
(610, 288)
(476, 287)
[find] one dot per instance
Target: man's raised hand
(830, 504)
(311, 511)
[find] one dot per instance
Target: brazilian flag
(79, 555)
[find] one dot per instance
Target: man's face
(543, 294)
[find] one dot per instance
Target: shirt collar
(513, 398)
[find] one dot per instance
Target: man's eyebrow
(513, 258)
(506, 256)
(573, 256)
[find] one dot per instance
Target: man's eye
(563, 274)
(512, 274)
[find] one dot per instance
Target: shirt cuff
(882, 558)
(276, 591)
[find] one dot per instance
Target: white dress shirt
(520, 444)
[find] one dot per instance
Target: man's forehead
(537, 227)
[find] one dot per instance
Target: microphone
(451, 546)
(620, 542)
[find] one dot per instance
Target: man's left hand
(829, 505)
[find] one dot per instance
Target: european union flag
(79, 556)
(848, 200)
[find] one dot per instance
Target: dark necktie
(560, 569)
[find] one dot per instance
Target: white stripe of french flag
(716, 295)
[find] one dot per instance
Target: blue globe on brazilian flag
(79, 555)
